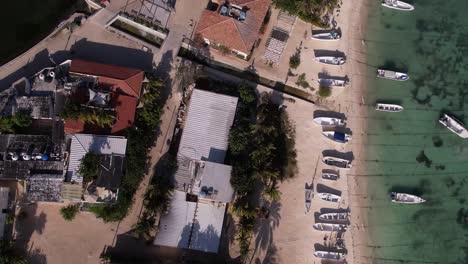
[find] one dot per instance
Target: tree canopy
(311, 11)
(90, 166)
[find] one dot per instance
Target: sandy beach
(288, 235)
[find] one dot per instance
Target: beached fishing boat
(330, 176)
(332, 82)
(337, 162)
(393, 108)
(330, 227)
(337, 136)
(406, 198)
(329, 197)
(328, 36)
(334, 216)
(309, 194)
(454, 125)
(329, 255)
(392, 75)
(328, 121)
(330, 60)
(399, 5)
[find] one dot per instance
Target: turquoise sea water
(431, 44)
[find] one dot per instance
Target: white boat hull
(331, 135)
(405, 198)
(337, 162)
(398, 5)
(336, 61)
(329, 227)
(330, 176)
(329, 255)
(335, 83)
(328, 197)
(334, 217)
(328, 121)
(392, 108)
(454, 125)
(326, 37)
(392, 75)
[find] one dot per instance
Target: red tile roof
(122, 79)
(229, 31)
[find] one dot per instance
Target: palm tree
(272, 192)
(242, 208)
(143, 228)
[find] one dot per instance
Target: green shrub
(324, 91)
(295, 60)
(309, 11)
(69, 212)
(301, 81)
(90, 166)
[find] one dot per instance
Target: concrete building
(202, 181)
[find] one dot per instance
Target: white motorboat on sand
(328, 36)
(454, 125)
(399, 5)
(337, 162)
(393, 108)
(330, 227)
(328, 121)
(337, 136)
(329, 255)
(392, 75)
(330, 176)
(405, 198)
(334, 216)
(330, 60)
(329, 197)
(332, 82)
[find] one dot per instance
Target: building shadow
(333, 114)
(321, 188)
(335, 153)
(331, 53)
(110, 54)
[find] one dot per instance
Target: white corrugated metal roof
(84, 143)
(218, 178)
(206, 131)
(176, 226)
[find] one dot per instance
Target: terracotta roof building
(116, 88)
(235, 25)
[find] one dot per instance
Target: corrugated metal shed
(191, 225)
(206, 131)
(84, 143)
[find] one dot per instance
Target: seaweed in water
(449, 182)
(423, 158)
(462, 200)
(462, 217)
(440, 167)
(438, 142)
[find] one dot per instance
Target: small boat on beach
(330, 176)
(329, 197)
(337, 162)
(309, 194)
(332, 82)
(399, 5)
(328, 36)
(334, 216)
(329, 255)
(328, 121)
(337, 136)
(330, 60)
(405, 198)
(454, 125)
(330, 227)
(393, 108)
(392, 75)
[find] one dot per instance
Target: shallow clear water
(431, 44)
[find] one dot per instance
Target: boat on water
(332, 82)
(392, 75)
(334, 216)
(330, 176)
(337, 162)
(330, 227)
(328, 121)
(454, 125)
(329, 255)
(328, 36)
(405, 198)
(393, 108)
(337, 136)
(330, 60)
(399, 5)
(329, 197)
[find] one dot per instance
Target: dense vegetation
(8, 256)
(69, 212)
(324, 91)
(262, 152)
(96, 116)
(90, 167)
(13, 124)
(312, 11)
(139, 140)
